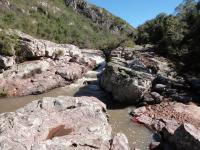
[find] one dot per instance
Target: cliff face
(100, 17)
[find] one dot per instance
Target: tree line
(176, 36)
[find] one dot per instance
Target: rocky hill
(71, 21)
(101, 17)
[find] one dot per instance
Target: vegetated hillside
(53, 20)
(101, 17)
(176, 36)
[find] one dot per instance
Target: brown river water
(119, 118)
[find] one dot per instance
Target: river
(119, 118)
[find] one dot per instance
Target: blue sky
(137, 12)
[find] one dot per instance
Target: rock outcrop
(42, 65)
(100, 16)
(59, 123)
(4, 4)
(160, 115)
(176, 123)
(139, 76)
(186, 137)
(130, 73)
(125, 84)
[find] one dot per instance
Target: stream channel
(119, 118)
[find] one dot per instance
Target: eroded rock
(169, 113)
(176, 122)
(43, 65)
(139, 76)
(186, 137)
(59, 123)
(126, 85)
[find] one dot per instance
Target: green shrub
(128, 43)
(177, 35)
(8, 43)
(58, 53)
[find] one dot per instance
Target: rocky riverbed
(119, 118)
(139, 76)
(166, 100)
(177, 123)
(170, 101)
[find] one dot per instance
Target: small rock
(148, 99)
(158, 98)
(160, 87)
(119, 142)
(145, 120)
(6, 62)
(154, 145)
(139, 111)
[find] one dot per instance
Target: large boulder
(59, 123)
(36, 84)
(126, 85)
(32, 48)
(39, 76)
(186, 137)
(129, 74)
(26, 69)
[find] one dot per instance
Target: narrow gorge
(75, 77)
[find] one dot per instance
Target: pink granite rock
(57, 124)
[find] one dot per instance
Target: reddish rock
(54, 65)
(59, 123)
(179, 124)
(119, 142)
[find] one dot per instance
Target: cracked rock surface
(43, 65)
(59, 123)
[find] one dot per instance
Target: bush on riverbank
(177, 35)
(8, 44)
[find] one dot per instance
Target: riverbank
(138, 76)
(119, 118)
(131, 77)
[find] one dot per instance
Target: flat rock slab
(169, 112)
(179, 124)
(57, 124)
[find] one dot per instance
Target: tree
(166, 31)
(176, 35)
(172, 36)
(186, 9)
(151, 31)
